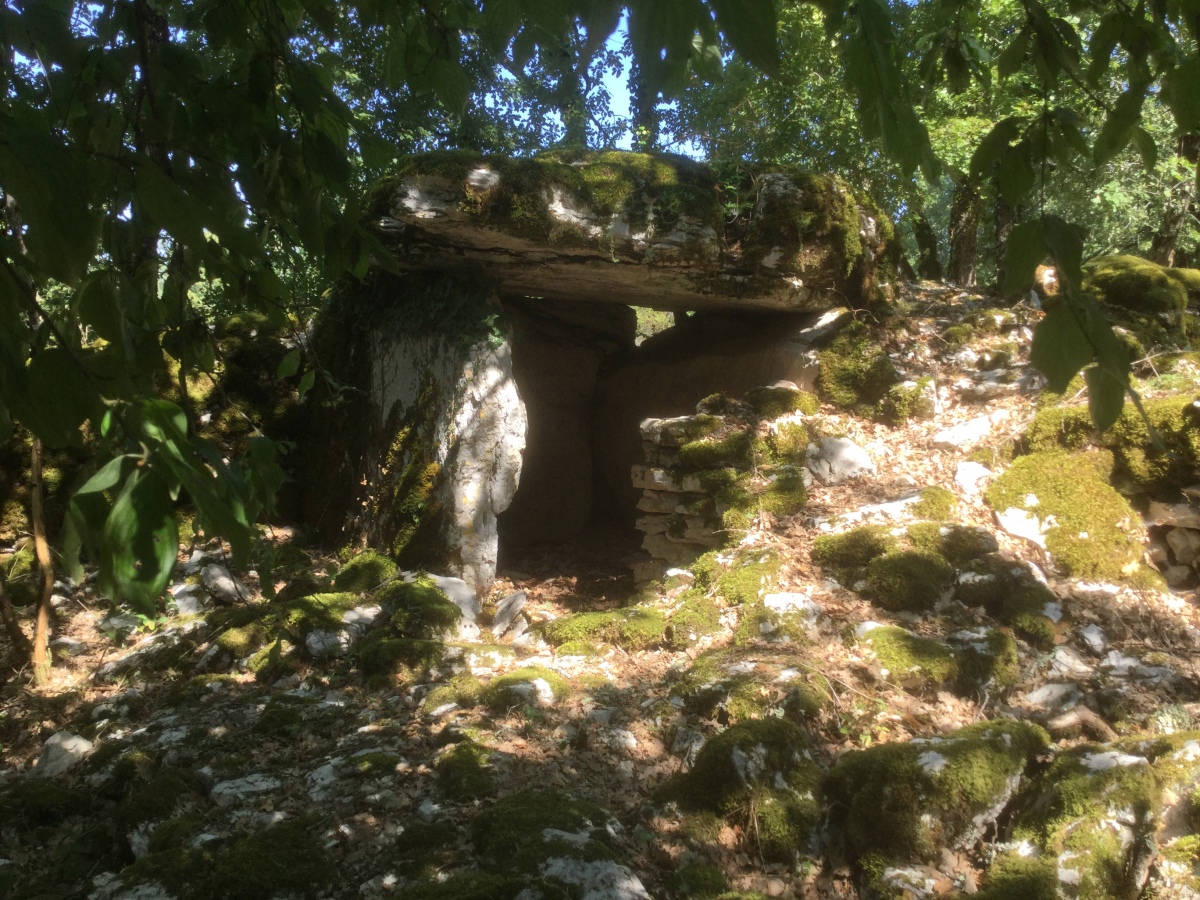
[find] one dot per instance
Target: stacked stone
(678, 513)
(1175, 547)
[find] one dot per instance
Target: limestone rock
(969, 476)
(237, 790)
(221, 584)
(507, 611)
(835, 460)
(577, 243)
(969, 434)
(1185, 543)
(61, 752)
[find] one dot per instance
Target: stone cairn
(697, 467)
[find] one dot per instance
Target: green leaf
(62, 396)
(1060, 347)
(750, 27)
(52, 184)
(99, 306)
(289, 365)
(1064, 240)
(993, 145)
(306, 383)
(141, 540)
(1015, 175)
(452, 84)
(1144, 141)
(1013, 56)
(110, 475)
(1106, 396)
(1025, 251)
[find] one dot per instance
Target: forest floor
(194, 776)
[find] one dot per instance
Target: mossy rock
(786, 444)
(317, 612)
(42, 802)
(475, 886)
(632, 629)
(742, 684)
(751, 575)
(774, 402)
(902, 803)
(418, 609)
(958, 335)
(1140, 285)
(527, 686)
(462, 690)
(907, 580)
(716, 451)
(464, 772)
(365, 572)
(909, 400)
(910, 660)
(853, 374)
(511, 834)
(936, 504)
(1096, 533)
(1099, 802)
(1007, 590)
(785, 495)
(696, 616)
(697, 877)
(1140, 467)
(957, 544)
(156, 798)
(759, 776)
(282, 859)
(390, 661)
(852, 550)
(987, 660)
(1015, 877)
(758, 622)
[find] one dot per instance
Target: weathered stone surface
(557, 352)
(628, 228)
(62, 751)
(835, 460)
(426, 457)
(707, 354)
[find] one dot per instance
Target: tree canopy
(164, 161)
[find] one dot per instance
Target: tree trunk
(929, 266)
(964, 235)
(19, 641)
(1165, 241)
(1006, 219)
(41, 548)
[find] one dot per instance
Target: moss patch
(936, 504)
(775, 402)
(283, 859)
(464, 773)
(759, 776)
(390, 661)
(1007, 591)
(907, 580)
(1139, 465)
(418, 609)
(37, 802)
(909, 400)
(365, 572)
(1139, 285)
(748, 578)
(510, 835)
(1095, 535)
(520, 688)
(902, 802)
(911, 660)
(852, 549)
(854, 374)
(986, 659)
(696, 616)
(636, 628)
